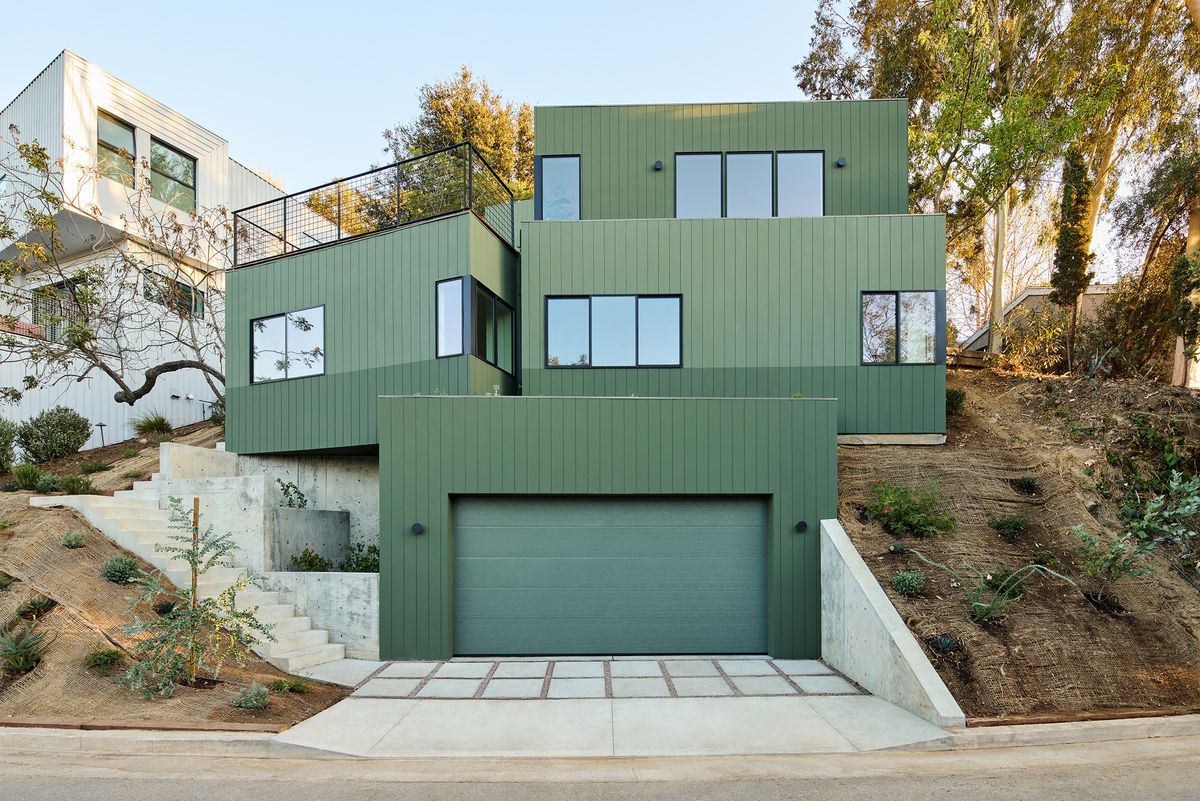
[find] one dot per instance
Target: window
(172, 176)
(748, 184)
(179, 296)
(288, 345)
(114, 149)
(614, 331)
(493, 324)
(697, 185)
(800, 184)
(558, 187)
(55, 309)
(901, 328)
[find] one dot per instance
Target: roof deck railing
(446, 181)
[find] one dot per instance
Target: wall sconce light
(802, 526)
(841, 162)
(658, 166)
(418, 528)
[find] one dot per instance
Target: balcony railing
(435, 184)
(48, 313)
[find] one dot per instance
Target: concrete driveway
(617, 706)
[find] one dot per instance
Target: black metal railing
(445, 181)
(48, 313)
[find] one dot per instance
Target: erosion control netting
(91, 613)
(1054, 652)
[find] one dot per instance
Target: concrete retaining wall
(234, 504)
(864, 637)
(186, 461)
(344, 604)
(287, 532)
(349, 485)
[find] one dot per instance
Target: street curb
(1092, 731)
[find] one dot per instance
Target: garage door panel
(703, 574)
(599, 541)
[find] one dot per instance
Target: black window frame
(156, 295)
(725, 182)
(637, 363)
(939, 322)
(675, 183)
(725, 154)
(537, 183)
(324, 348)
(824, 190)
(470, 284)
(130, 157)
(463, 280)
(154, 140)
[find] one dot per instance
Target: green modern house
(606, 419)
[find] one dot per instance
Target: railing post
(397, 182)
(470, 177)
(512, 221)
(339, 202)
(285, 226)
(235, 238)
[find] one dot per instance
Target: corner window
(492, 332)
(900, 328)
(748, 187)
(801, 184)
(172, 176)
(450, 317)
(288, 345)
(558, 188)
(614, 331)
(697, 185)
(114, 149)
(178, 296)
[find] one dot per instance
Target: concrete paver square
(352, 726)
(802, 667)
(449, 688)
(640, 688)
(871, 723)
(513, 688)
(825, 685)
(343, 672)
(502, 729)
(388, 688)
(578, 670)
(704, 726)
(463, 670)
(634, 669)
(748, 667)
(408, 670)
(691, 667)
(520, 670)
(691, 686)
(576, 688)
(763, 685)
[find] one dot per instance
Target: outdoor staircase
(133, 519)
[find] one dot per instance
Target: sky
(304, 90)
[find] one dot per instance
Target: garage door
(590, 575)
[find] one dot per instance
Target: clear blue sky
(305, 89)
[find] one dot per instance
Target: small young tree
(1112, 562)
(1071, 276)
(198, 634)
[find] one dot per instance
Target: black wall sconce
(841, 162)
(657, 166)
(418, 528)
(802, 526)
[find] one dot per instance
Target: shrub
(134, 474)
(309, 561)
(53, 434)
(120, 569)
(289, 685)
(73, 539)
(360, 558)
(1026, 485)
(255, 696)
(1005, 579)
(152, 423)
(1045, 559)
(8, 439)
(216, 414)
(7, 523)
(47, 483)
(9, 486)
(20, 652)
(955, 398)
(1033, 339)
(904, 510)
(293, 498)
(130, 452)
(989, 594)
(1122, 558)
(36, 606)
(909, 583)
(6, 581)
(26, 476)
(1010, 527)
(103, 660)
(89, 467)
(77, 485)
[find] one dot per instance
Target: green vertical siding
(433, 449)
(378, 294)
(619, 144)
(770, 308)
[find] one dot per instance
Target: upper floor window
(492, 332)
(179, 296)
(114, 148)
(900, 328)
(801, 184)
(697, 185)
(172, 176)
(749, 185)
(614, 331)
(288, 345)
(558, 188)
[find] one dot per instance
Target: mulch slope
(90, 613)
(1054, 652)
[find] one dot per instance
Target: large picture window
(901, 328)
(614, 331)
(172, 176)
(288, 345)
(114, 148)
(491, 335)
(697, 185)
(558, 188)
(750, 185)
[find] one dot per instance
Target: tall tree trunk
(1187, 371)
(1194, 10)
(995, 337)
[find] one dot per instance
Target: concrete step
(120, 501)
(143, 518)
(150, 495)
(258, 598)
(269, 613)
(290, 625)
(307, 657)
(297, 641)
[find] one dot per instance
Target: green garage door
(610, 575)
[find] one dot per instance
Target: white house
(110, 137)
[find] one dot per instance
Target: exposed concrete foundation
(891, 439)
(344, 604)
(289, 531)
(863, 636)
(349, 485)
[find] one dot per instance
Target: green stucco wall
(770, 308)
(619, 144)
(378, 294)
(436, 448)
